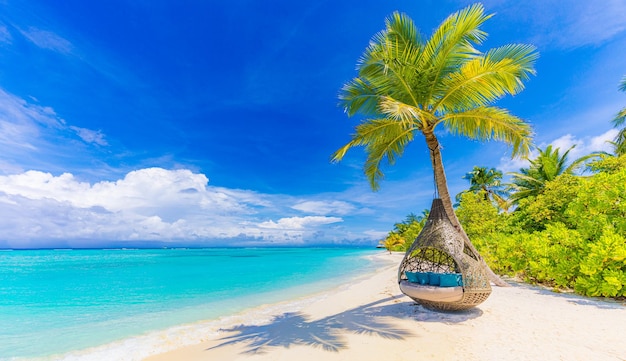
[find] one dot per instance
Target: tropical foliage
(549, 164)
(489, 183)
(405, 232)
(570, 236)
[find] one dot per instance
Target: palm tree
(620, 120)
(392, 241)
(488, 181)
(409, 85)
(548, 165)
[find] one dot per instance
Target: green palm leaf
(487, 78)
(486, 123)
(383, 139)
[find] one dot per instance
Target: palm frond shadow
(374, 319)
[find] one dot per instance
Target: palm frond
(359, 96)
(403, 112)
(583, 162)
(620, 138)
(453, 43)
(486, 123)
(620, 118)
(524, 185)
(401, 27)
(482, 80)
(383, 139)
(389, 62)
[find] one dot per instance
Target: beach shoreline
(290, 299)
(369, 319)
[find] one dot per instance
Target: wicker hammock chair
(446, 275)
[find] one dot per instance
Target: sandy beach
(371, 320)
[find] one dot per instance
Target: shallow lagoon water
(57, 301)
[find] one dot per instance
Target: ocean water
(53, 302)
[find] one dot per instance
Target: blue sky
(212, 123)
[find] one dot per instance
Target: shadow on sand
(598, 302)
(375, 319)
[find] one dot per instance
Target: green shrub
(601, 201)
(479, 217)
(603, 270)
(554, 256)
(571, 236)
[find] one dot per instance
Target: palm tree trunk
(442, 188)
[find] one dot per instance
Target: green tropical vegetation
(403, 234)
(489, 183)
(548, 165)
(408, 85)
(570, 235)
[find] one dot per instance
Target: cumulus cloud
(582, 147)
(586, 145)
(152, 204)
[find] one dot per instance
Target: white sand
(372, 320)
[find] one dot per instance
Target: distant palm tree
(488, 181)
(548, 165)
(392, 241)
(410, 219)
(409, 85)
(620, 120)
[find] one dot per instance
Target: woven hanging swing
(439, 271)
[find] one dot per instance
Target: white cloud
(151, 191)
(47, 40)
(582, 147)
(585, 145)
(152, 204)
(324, 207)
(296, 223)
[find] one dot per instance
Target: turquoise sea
(53, 302)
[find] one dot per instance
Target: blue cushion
(433, 278)
(448, 280)
(422, 278)
(411, 276)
